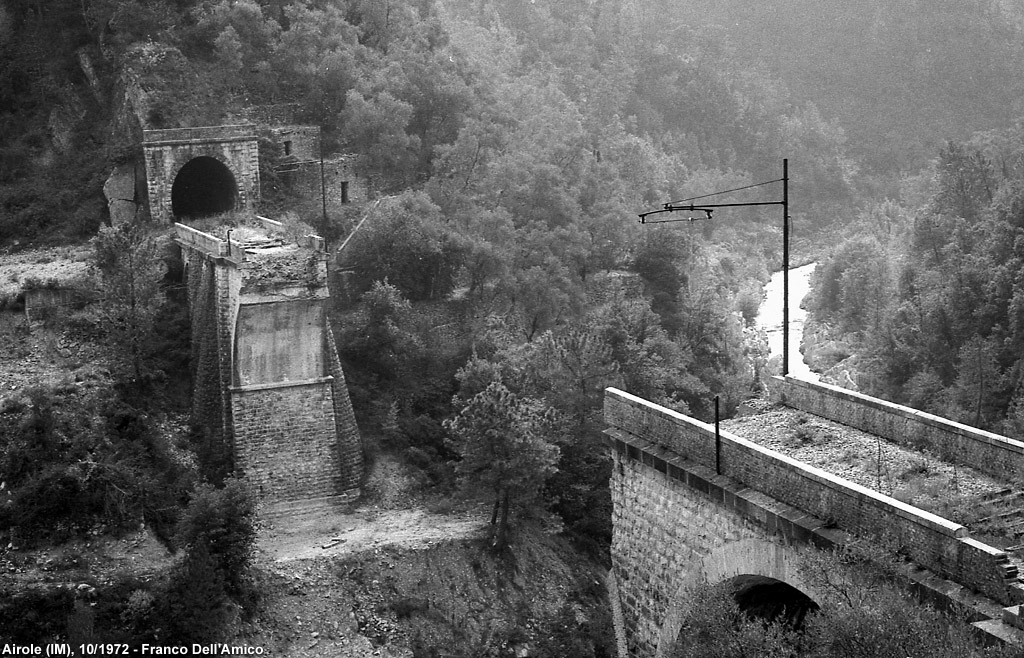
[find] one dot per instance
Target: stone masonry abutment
(685, 513)
(267, 381)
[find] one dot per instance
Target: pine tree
(502, 440)
(131, 269)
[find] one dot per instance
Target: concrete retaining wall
(990, 453)
(279, 342)
(930, 541)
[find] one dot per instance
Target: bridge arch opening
(204, 186)
(768, 599)
(733, 616)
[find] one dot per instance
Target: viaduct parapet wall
(268, 385)
(685, 512)
(990, 453)
(930, 541)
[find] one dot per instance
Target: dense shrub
(72, 461)
(565, 634)
(578, 493)
(194, 607)
(222, 522)
(407, 242)
(31, 614)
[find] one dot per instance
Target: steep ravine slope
(387, 577)
(452, 598)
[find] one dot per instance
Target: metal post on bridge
(709, 208)
(785, 267)
(718, 442)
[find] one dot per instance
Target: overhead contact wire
(738, 189)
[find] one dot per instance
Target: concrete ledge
(275, 385)
(183, 142)
(198, 239)
(170, 136)
(999, 631)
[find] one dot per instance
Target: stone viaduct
(692, 505)
(268, 388)
(267, 384)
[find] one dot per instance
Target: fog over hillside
(901, 77)
(494, 281)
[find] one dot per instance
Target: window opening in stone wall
(344, 192)
(288, 148)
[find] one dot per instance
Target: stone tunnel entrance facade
(196, 172)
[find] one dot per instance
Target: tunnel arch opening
(204, 186)
(771, 600)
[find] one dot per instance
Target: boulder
(119, 189)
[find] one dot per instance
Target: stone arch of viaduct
(668, 539)
(689, 509)
(201, 171)
(742, 558)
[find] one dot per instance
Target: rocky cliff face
(125, 187)
(834, 359)
(121, 191)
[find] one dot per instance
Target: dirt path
(333, 533)
(389, 514)
(314, 613)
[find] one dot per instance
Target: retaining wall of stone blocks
(660, 532)
(286, 443)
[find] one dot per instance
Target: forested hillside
(520, 138)
(501, 280)
(516, 141)
(930, 298)
(609, 110)
(900, 77)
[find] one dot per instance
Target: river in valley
(769, 317)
